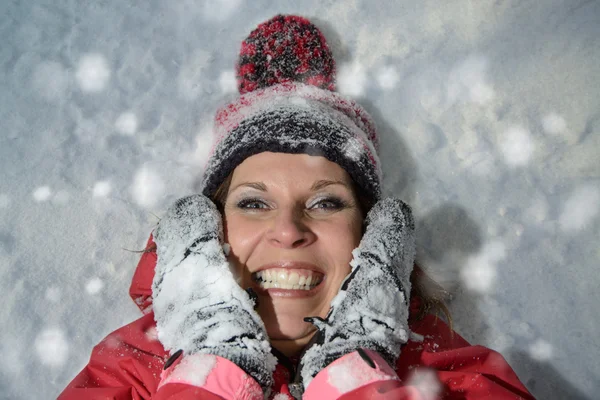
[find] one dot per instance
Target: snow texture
(198, 305)
(441, 154)
(371, 309)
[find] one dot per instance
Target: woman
(289, 276)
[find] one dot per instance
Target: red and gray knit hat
(288, 104)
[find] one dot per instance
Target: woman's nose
(288, 230)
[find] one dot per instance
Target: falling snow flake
(52, 347)
(42, 194)
(92, 73)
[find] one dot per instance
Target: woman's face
(292, 221)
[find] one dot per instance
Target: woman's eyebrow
(255, 185)
(320, 184)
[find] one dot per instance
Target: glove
(371, 309)
(198, 305)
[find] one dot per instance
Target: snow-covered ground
(489, 116)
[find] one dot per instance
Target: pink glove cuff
(214, 374)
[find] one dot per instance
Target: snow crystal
(467, 82)
(50, 80)
(554, 124)
(193, 370)
(42, 194)
(53, 294)
(151, 333)
(102, 189)
(580, 209)
(517, 146)
(541, 350)
(127, 123)
(228, 82)
(387, 78)
(94, 286)
(198, 157)
(93, 73)
(426, 382)
(52, 347)
(4, 201)
(148, 187)
(479, 273)
(351, 79)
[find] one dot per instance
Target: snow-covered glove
(198, 305)
(371, 309)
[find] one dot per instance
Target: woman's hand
(371, 309)
(198, 306)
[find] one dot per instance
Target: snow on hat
(286, 75)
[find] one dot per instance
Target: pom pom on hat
(288, 104)
(282, 49)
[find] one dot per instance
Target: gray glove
(371, 309)
(198, 305)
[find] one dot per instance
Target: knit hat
(286, 76)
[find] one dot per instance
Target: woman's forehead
(283, 167)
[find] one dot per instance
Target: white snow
(53, 294)
(581, 208)
(517, 146)
(61, 197)
(227, 81)
(352, 79)
(387, 77)
(554, 123)
(468, 81)
(541, 350)
(147, 187)
(426, 382)
(42, 194)
(94, 286)
(190, 81)
(220, 10)
(102, 189)
(51, 80)
(127, 123)
(479, 274)
(4, 201)
(52, 348)
(93, 73)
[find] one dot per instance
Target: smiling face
(292, 221)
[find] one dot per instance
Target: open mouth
(287, 279)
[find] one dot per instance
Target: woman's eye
(252, 204)
(329, 204)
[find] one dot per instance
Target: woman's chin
(291, 344)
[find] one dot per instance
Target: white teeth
(282, 279)
(294, 279)
(282, 276)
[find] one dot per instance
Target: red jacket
(128, 364)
